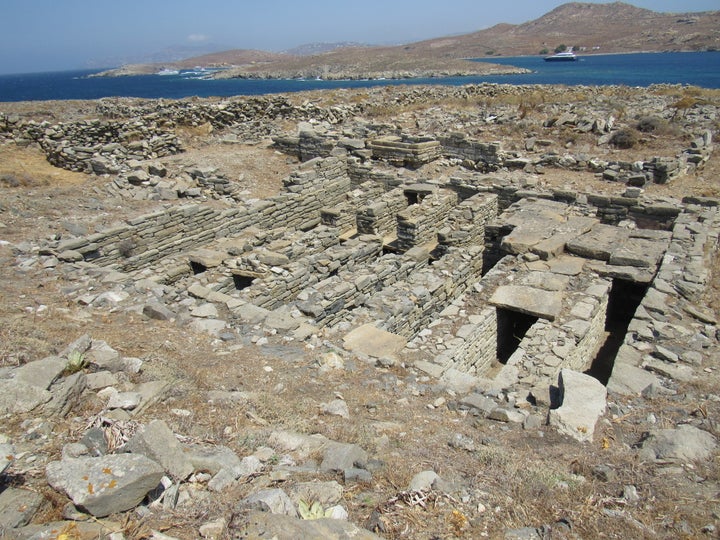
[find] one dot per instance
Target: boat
(565, 56)
(166, 71)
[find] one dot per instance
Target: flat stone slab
(207, 257)
(372, 341)
(627, 379)
(599, 243)
(566, 265)
(640, 252)
(105, 485)
(529, 300)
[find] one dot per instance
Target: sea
(700, 69)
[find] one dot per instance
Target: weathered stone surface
(341, 456)
(105, 485)
(66, 393)
(370, 340)
(529, 300)
(17, 397)
(684, 443)
(627, 379)
(265, 524)
(207, 257)
(158, 443)
(17, 507)
(158, 310)
(582, 403)
(212, 458)
(273, 501)
(41, 373)
(599, 243)
(7, 456)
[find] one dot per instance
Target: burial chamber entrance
(511, 329)
(624, 298)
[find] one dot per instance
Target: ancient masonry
(471, 281)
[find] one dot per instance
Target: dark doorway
(511, 329)
(242, 282)
(197, 268)
(625, 297)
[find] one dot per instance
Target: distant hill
(589, 28)
(308, 49)
(600, 28)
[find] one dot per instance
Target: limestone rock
(66, 393)
(370, 340)
(266, 525)
(17, 507)
(105, 485)
(423, 480)
(684, 443)
(158, 443)
(7, 456)
(41, 373)
(529, 300)
(583, 401)
(336, 407)
(17, 397)
(341, 456)
(274, 501)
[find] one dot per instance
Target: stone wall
(418, 223)
(381, 217)
(407, 306)
(344, 215)
(147, 239)
(466, 222)
(283, 284)
(460, 146)
(330, 300)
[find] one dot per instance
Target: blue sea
(641, 69)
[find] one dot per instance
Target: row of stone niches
(536, 309)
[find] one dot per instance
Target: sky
(54, 35)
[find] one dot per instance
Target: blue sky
(49, 35)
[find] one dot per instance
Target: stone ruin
(474, 283)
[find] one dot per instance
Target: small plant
(313, 511)
(624, 139)
(649, 124)
(75, 362)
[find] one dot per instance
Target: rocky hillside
(599, 28)
(604, 28)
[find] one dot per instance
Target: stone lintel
(529, 300)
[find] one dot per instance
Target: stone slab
(529, 300)
(105, 485)
(599, 243)
(372, 341)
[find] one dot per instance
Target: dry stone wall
(148, 239)
(418, 223)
